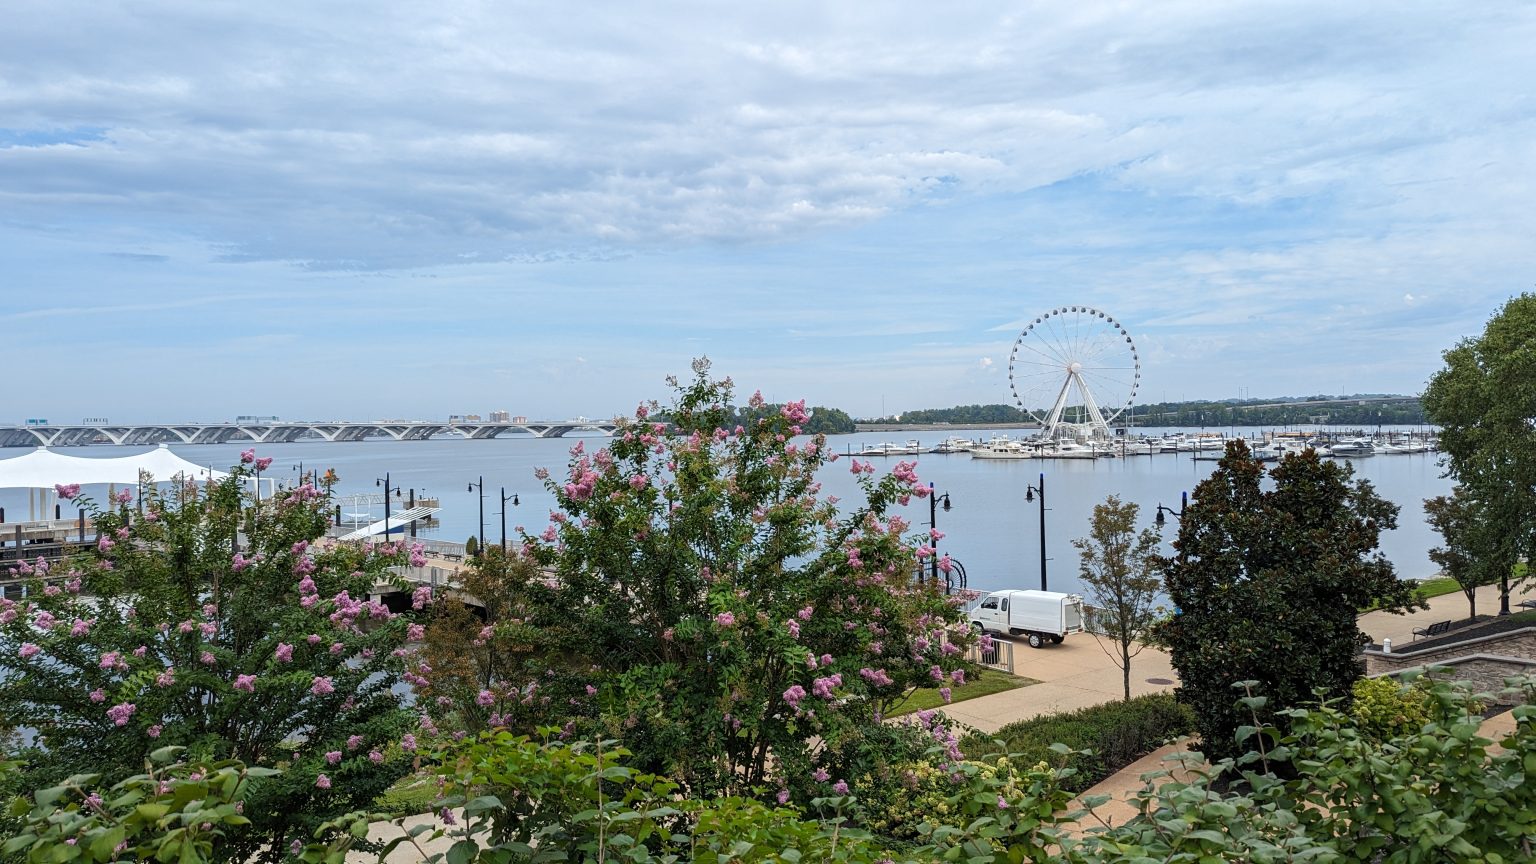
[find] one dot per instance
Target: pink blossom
(284, 653)
(81, 627)
(638, 482)
(323, 782)
(66, 491)
(782, 797)
(239, 562)
(154, 731)
(120, 713)
(354, 742)
(725, 619)
(957, 676)
(793, 695)
(322, 686)
(821, 775)
(333, 757)
(166, 678)
(207, 658)
(248, 456)
(805, 614)
(313, 638)
(408, 743)
(375, 757)
(415, 632)
(98, 695)
(28, 650)
(840, 787)
(245, 683)
(485, 699)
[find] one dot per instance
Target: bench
(1436, 629)
(1527, 604)
(453, 556)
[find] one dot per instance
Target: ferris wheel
(1075, 371)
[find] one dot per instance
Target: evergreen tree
(1267, 585)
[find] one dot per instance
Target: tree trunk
(1471, 601)
(1125, 667)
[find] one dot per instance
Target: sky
(362, 210)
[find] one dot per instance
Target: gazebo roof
(43, 469)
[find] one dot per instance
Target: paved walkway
(1446, 607)
(1075, 674)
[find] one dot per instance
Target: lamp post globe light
(1177, 514)
(504, 499)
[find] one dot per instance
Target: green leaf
(104, 845)
(462, 852)
(479, 805)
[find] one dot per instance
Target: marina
(991, 529)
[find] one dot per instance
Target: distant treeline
(1404, 410)
(823, 420)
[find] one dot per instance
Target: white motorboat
(954, 444)
(1072, 450)
(1001, 448)
(886, 448)
(1352, 448)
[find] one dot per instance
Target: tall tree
(701, 602)
(1476, 551)
(1267, 584)
(164, 635)
(1120, 566)
(1484, 402)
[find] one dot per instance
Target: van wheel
(1035, 641)
(980, 630)
(1056, 640)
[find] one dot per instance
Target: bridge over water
(33, 435)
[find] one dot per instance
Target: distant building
(500, 417)
(463, 418)
(93, 421)
(519, 419)
(256, 418)
(37, 421)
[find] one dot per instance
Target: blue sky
(392, 209)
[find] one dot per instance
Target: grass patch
(1437, 587)
(1116, 733)
(985, 684)
(411, 794)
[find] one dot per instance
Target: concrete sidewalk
(1446, 607)
(1075, 674)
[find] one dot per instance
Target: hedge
(1117, 733)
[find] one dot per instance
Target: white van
(1039, 615)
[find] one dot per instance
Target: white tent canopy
(43, 469)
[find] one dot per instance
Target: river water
(991, 529)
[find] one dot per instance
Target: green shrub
(1384, 708)
(1116, 733)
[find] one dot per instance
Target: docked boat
(886, 448)
(1002, 448)
(1352, 448)
(1072, 450)
(954, 444)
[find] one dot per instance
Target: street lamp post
(1029, 495)
(480, 484)
(385, 483)
(504, 499)
(933, 529)
(1178, 514)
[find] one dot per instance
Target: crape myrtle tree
(165, 635)
(1477, 551)
(1484, 402)
(704, 605)
(1121, 568)
(1267, 583)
